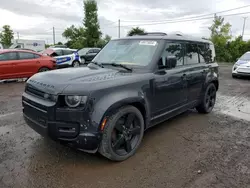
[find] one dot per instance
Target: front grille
(34, 91)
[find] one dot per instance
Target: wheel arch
(43, 67)
(109, 108)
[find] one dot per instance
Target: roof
(168, 37)
(62, 49)
(17, 50)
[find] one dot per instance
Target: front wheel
(122, 134)
(208, 100)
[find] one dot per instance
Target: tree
(102, 42)
(6, 36)
(136, 31)
(220, 36)
(91, 24)
(59, 43)
(75, 36)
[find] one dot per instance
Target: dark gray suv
(132, 84)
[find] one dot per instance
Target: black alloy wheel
(122, 134)
(208, 99)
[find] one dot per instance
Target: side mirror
(171, 62)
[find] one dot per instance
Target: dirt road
(189, 151)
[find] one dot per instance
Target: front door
(170, 87)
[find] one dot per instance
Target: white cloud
(35, 19)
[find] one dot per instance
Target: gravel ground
(191, 150)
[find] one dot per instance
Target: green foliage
(227, 50)
(6, 36)
(136, 31)
(91, 24)
(75, 37)
(220, 37)
(102, 42)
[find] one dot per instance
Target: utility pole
(119, 28)
(54, 35)
(17, 35)
(244, 23)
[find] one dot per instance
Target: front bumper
(70, 127)
(241, 70)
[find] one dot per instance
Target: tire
(43, 69)
(208, 100)
(234, 76)
(131, 144)
(83, 61)
(76, 64)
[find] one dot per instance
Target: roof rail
(154, 33)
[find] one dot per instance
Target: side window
(67, 52)
(96, 50)
(36, 56)
(58, 52)
(191, 54)
(173, 49)
(205, 53)
(26, 55)
(91, 51)
(8, 56)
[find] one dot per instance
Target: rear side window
(206, 53)
(191, 54)
(27, 55)
(8, 56)
(67, 52)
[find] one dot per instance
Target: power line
(184, 20)
(188, 17)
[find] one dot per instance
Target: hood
(78, 79)
(243, 62)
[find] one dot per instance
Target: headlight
(75, 100)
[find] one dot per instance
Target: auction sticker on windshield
(148, 42)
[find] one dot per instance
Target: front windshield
(128, 52)
(83, 51)
(246, 56)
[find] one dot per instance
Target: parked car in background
(59, 46)
(36, 45)
(133, 84)
(23, 63)
(242, 66)
(87, 54)
(65, 57)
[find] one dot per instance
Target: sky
(35, 19)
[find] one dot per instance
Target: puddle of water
(235, 106)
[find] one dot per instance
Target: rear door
(196, 70)
(7, 63)
(28, 64)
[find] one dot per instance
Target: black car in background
(87, 54)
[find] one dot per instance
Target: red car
(23, 63)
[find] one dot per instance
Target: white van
(36, 45)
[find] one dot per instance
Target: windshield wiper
(98, 64)
(119, 65)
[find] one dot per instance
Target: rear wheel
(122, 134)
(43, 69)
(208, 100)
(76, 64)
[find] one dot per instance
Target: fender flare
(107, 104)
